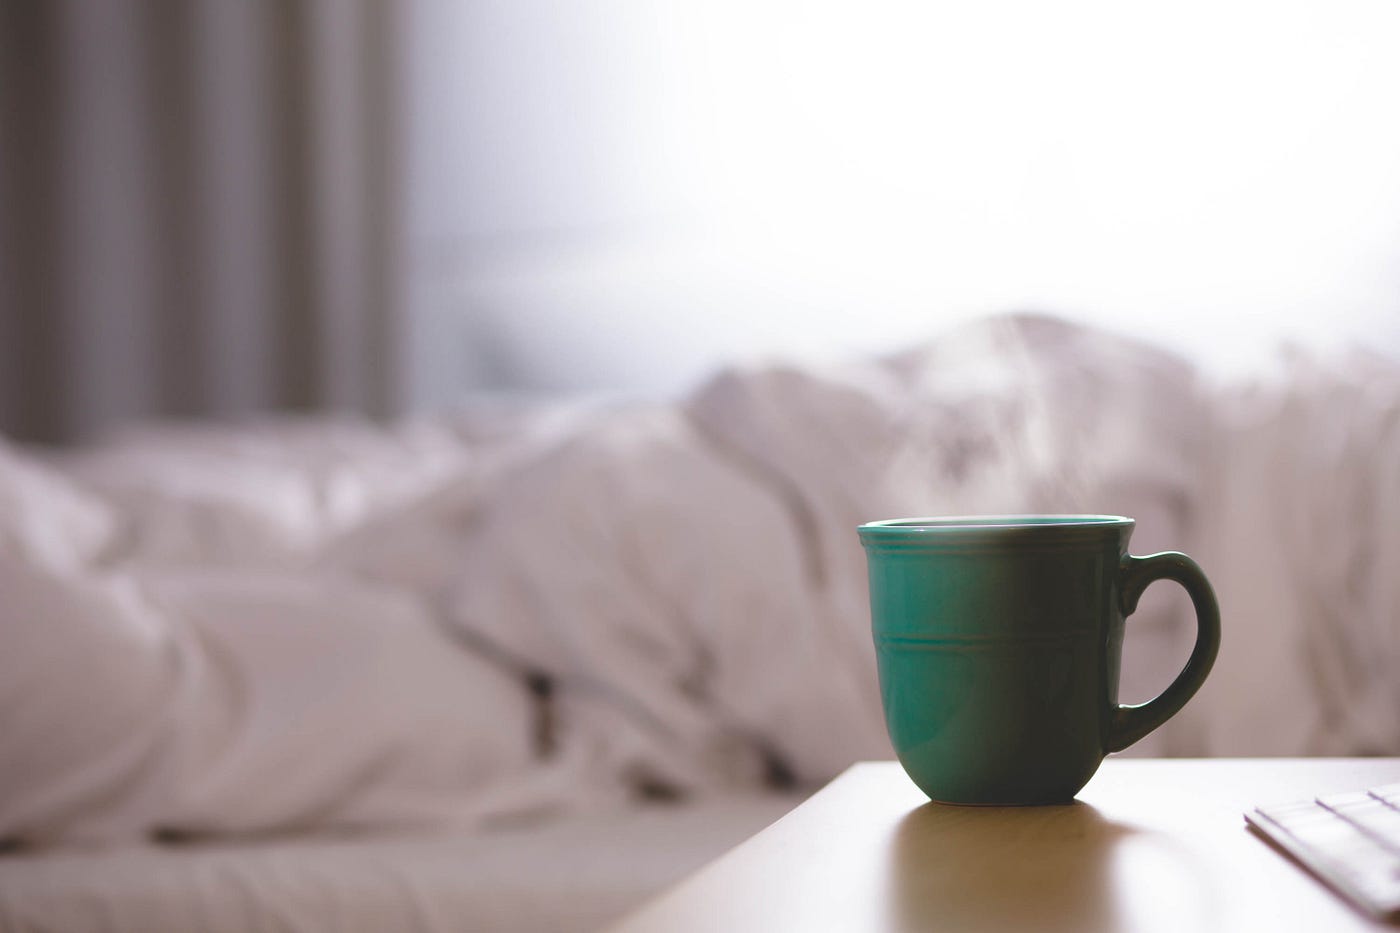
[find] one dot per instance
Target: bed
(513, 668)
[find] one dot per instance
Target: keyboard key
(1371, 816)
(1388, 793)
(1351, 841)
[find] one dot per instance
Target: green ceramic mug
(999, 640)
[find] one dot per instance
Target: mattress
(579, 873)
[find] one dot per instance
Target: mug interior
(956, 522)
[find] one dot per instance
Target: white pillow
(89, 678)
(45, 519)
(241, 703)
(267, 494)
(318, 701)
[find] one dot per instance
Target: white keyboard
(1351, 841)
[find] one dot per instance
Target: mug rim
(950, 524)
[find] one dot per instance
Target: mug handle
(1127, 724)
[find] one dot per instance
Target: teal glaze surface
(999, 642)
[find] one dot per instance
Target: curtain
(199, 211)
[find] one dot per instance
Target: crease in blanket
(540, 683)
(778, 773)
(799, 511)
(545, 687)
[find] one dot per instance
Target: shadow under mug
(999, 641)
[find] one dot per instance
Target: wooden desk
(1150, 845)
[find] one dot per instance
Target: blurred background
(218, 208)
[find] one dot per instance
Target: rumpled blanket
(480, 616)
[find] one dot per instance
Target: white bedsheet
(575, 874)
